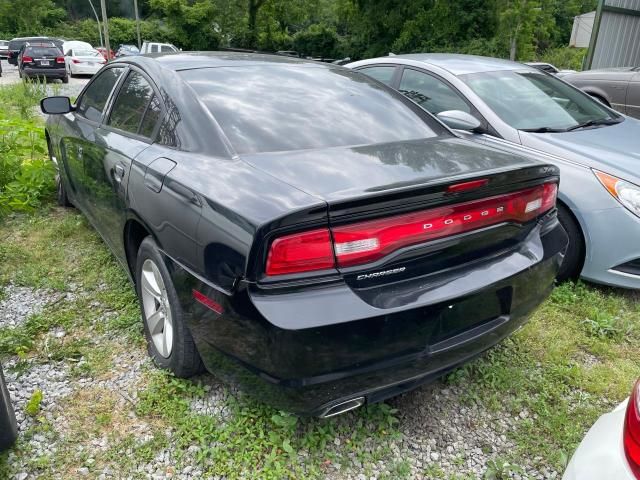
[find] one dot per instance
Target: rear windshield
(42, 51)
(87, 53)
(292, 107)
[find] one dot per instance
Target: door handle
(118, 173)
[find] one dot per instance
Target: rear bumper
(81, 69)
(274, 347)
(45, 72)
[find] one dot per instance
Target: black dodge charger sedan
(301, 229)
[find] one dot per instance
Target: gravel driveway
(71, 89)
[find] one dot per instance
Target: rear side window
(431, 93)
(132, 104)
(382, 74)
(154, 48)
(166, 48)
(92, 103)
(295, 107)
(151, 117)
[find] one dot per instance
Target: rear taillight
(26, 59)
(631, 435)
(366, 242)
(75, 60)
(59, 59)
(369, 241)
(301, 252)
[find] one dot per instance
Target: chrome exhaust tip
(343, 407)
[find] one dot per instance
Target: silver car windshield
(534, 101)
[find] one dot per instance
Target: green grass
(575, 359)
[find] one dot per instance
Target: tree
(517, 19)
(32, 16)
(254, 6)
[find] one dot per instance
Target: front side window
(534, 101)
(154, 48)
(131, 104)
(284, 107)
(431, 93)
(167, 48)
(91, 104)
(382, 74)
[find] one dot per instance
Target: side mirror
(459, 120)
(56, 105)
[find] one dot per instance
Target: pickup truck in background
(155, 47)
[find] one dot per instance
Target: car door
(77, 135)
(126, 132)
(633, 96)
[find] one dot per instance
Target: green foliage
(564, 57)
(26, 174)
(316, 41)
(32, 408)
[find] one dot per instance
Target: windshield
(535, 101)
(294, 107)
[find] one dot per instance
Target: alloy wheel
(157, 311)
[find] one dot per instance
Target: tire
(65, 79)
(8, 425)
(574, 258)
(61, 193)
(178, 353)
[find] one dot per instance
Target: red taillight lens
(26, 59)
(75, 60)
(59, 59)
(631, 436)
(369, 241)
(301, 252)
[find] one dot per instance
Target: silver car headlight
(625, 192)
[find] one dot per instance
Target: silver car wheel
(157, 311)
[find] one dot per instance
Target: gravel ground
(71, 89)
(436, 431)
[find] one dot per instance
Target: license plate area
(45, 63)
(471, 312)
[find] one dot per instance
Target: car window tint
(151, 117)
(382, 74)
(431, 93)
(42, 51)
(131, 103)
(288, 106)
(94, 99)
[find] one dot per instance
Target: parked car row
(506, 104)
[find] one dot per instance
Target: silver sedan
(510, 106)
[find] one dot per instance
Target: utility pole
(97, 20)
(135, 7)
(105, 24)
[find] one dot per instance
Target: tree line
(517, 29)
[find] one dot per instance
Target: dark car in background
(42, 60)
(8, 425)
(618, 88)
(326, 246)
(16, 44)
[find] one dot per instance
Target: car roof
(196, 60)
(459, 64)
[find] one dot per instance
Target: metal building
(615, 41)
(581, 32)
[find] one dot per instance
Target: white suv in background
(4, 49)
(154, 47)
